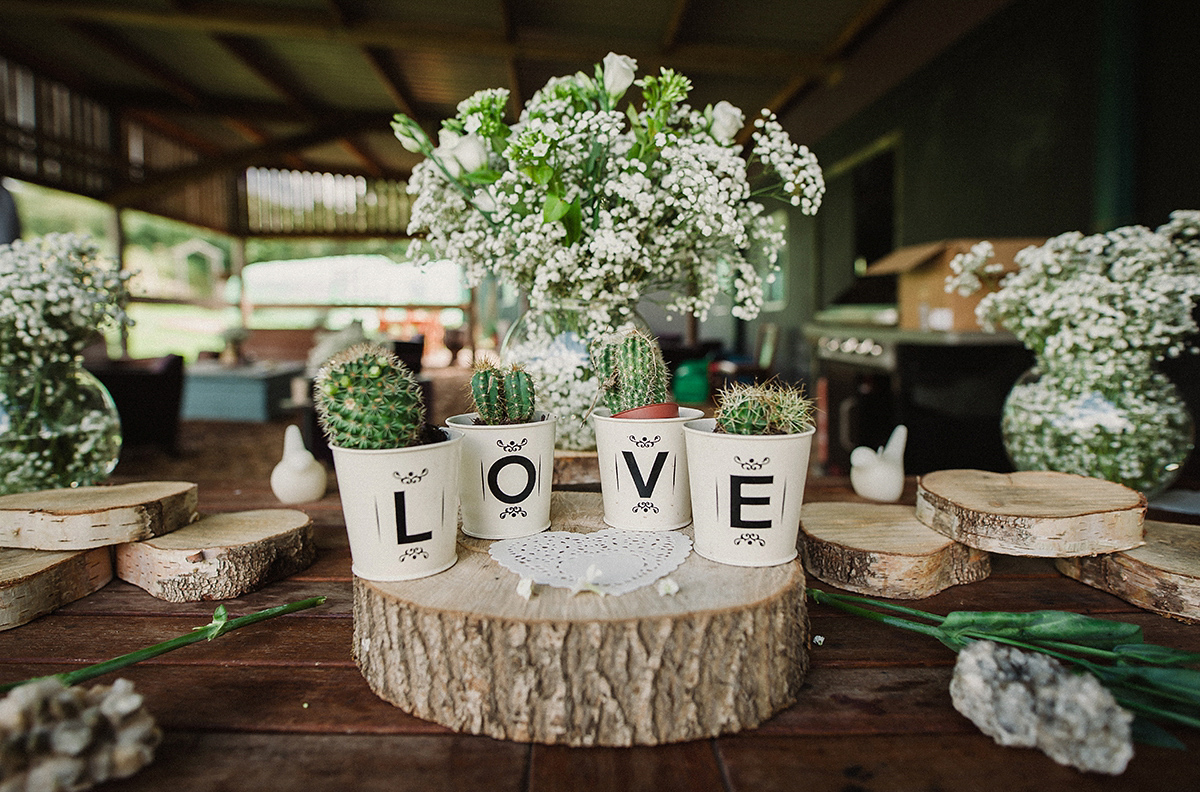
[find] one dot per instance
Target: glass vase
(1124, 423)
(552, 343)
(58, 428)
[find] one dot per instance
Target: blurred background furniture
(148, 393)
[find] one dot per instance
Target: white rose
(444, 153)
(727, 121)
(409, 134)
(471, 153)
(618, 74)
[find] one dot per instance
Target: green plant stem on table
(220, 624)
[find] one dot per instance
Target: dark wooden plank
(193, 761)
(928, 762)
(681, 766)
(72, 639)
(313, 700)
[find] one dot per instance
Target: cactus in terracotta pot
(763, 409)
(502, 396)
(367, 399)
(631, 370)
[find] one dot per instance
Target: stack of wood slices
(1095, 530)
(57, 546)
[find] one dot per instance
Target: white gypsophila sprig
(55, 293)
(581, 200)
(1126, 292)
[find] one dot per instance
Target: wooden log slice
(36, 582)
(883, 551)
(1031, 513)
(1163, 575)
(463, 649)
(220, 556)
(87, 517)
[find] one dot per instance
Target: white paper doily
(608, 561)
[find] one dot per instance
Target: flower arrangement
(1098, 311)
(580, 200)
(1127, 292)
(58, 427)
(55, 293)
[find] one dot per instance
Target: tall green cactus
(367, 398)
(502, 395)
(631, 370)
(765, 409)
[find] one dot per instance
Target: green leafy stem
(220, 624)
(1146, 679)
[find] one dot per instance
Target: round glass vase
(552, 343)
(1124, 423)
(58, 428)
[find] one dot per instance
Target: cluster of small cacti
(366, 398)
(631, 370)
(502, 396)
(58, 738)
(764, 409)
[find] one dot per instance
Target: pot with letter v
(644, 470)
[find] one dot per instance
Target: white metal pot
(506, 476)
(401, 507)
(746, 493)
(644, 470)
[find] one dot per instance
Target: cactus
(764, 409)
(631, 370)
(367, 398)
(502, 395)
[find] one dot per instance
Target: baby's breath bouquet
(586, 203)
(58, 427)
(583, 199)
(1099, 312)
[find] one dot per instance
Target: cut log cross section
(1163, 575)
(883, 550)
(87, 517)
(1031, 513)
(464, 649)
(36, 582)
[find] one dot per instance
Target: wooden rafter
(670, 35)
(243, 158)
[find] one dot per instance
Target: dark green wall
(1054, 115)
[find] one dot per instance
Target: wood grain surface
(87, 517)
(36, 582)
(883, 550)
(1163, 575)
(1031, 513)
(281, 706)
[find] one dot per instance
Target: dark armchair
(148, 394)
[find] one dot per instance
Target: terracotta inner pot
(663, 410)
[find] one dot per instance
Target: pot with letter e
(397, 476)
(639, 437)
(749, 465)
(507, 465)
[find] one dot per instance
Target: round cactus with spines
(631, 370)
(502, 396)
(367, 399)
(764, 409)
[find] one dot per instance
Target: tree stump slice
(87, 517)
(220, 556)
(36, 582)
(1162, 576)
(1031, 513)
(464, 649)
(884, 551)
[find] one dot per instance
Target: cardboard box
(921, 298)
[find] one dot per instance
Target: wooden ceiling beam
(868, 14)
(164, 181)
(122, 49)
(254, 21)
(671, 34)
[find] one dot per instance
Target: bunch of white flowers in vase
(1099, 312)
(58, 426)
(589, 208)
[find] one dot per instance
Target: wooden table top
(281, 706)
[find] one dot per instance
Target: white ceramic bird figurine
(299, 477)
(879, 475)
